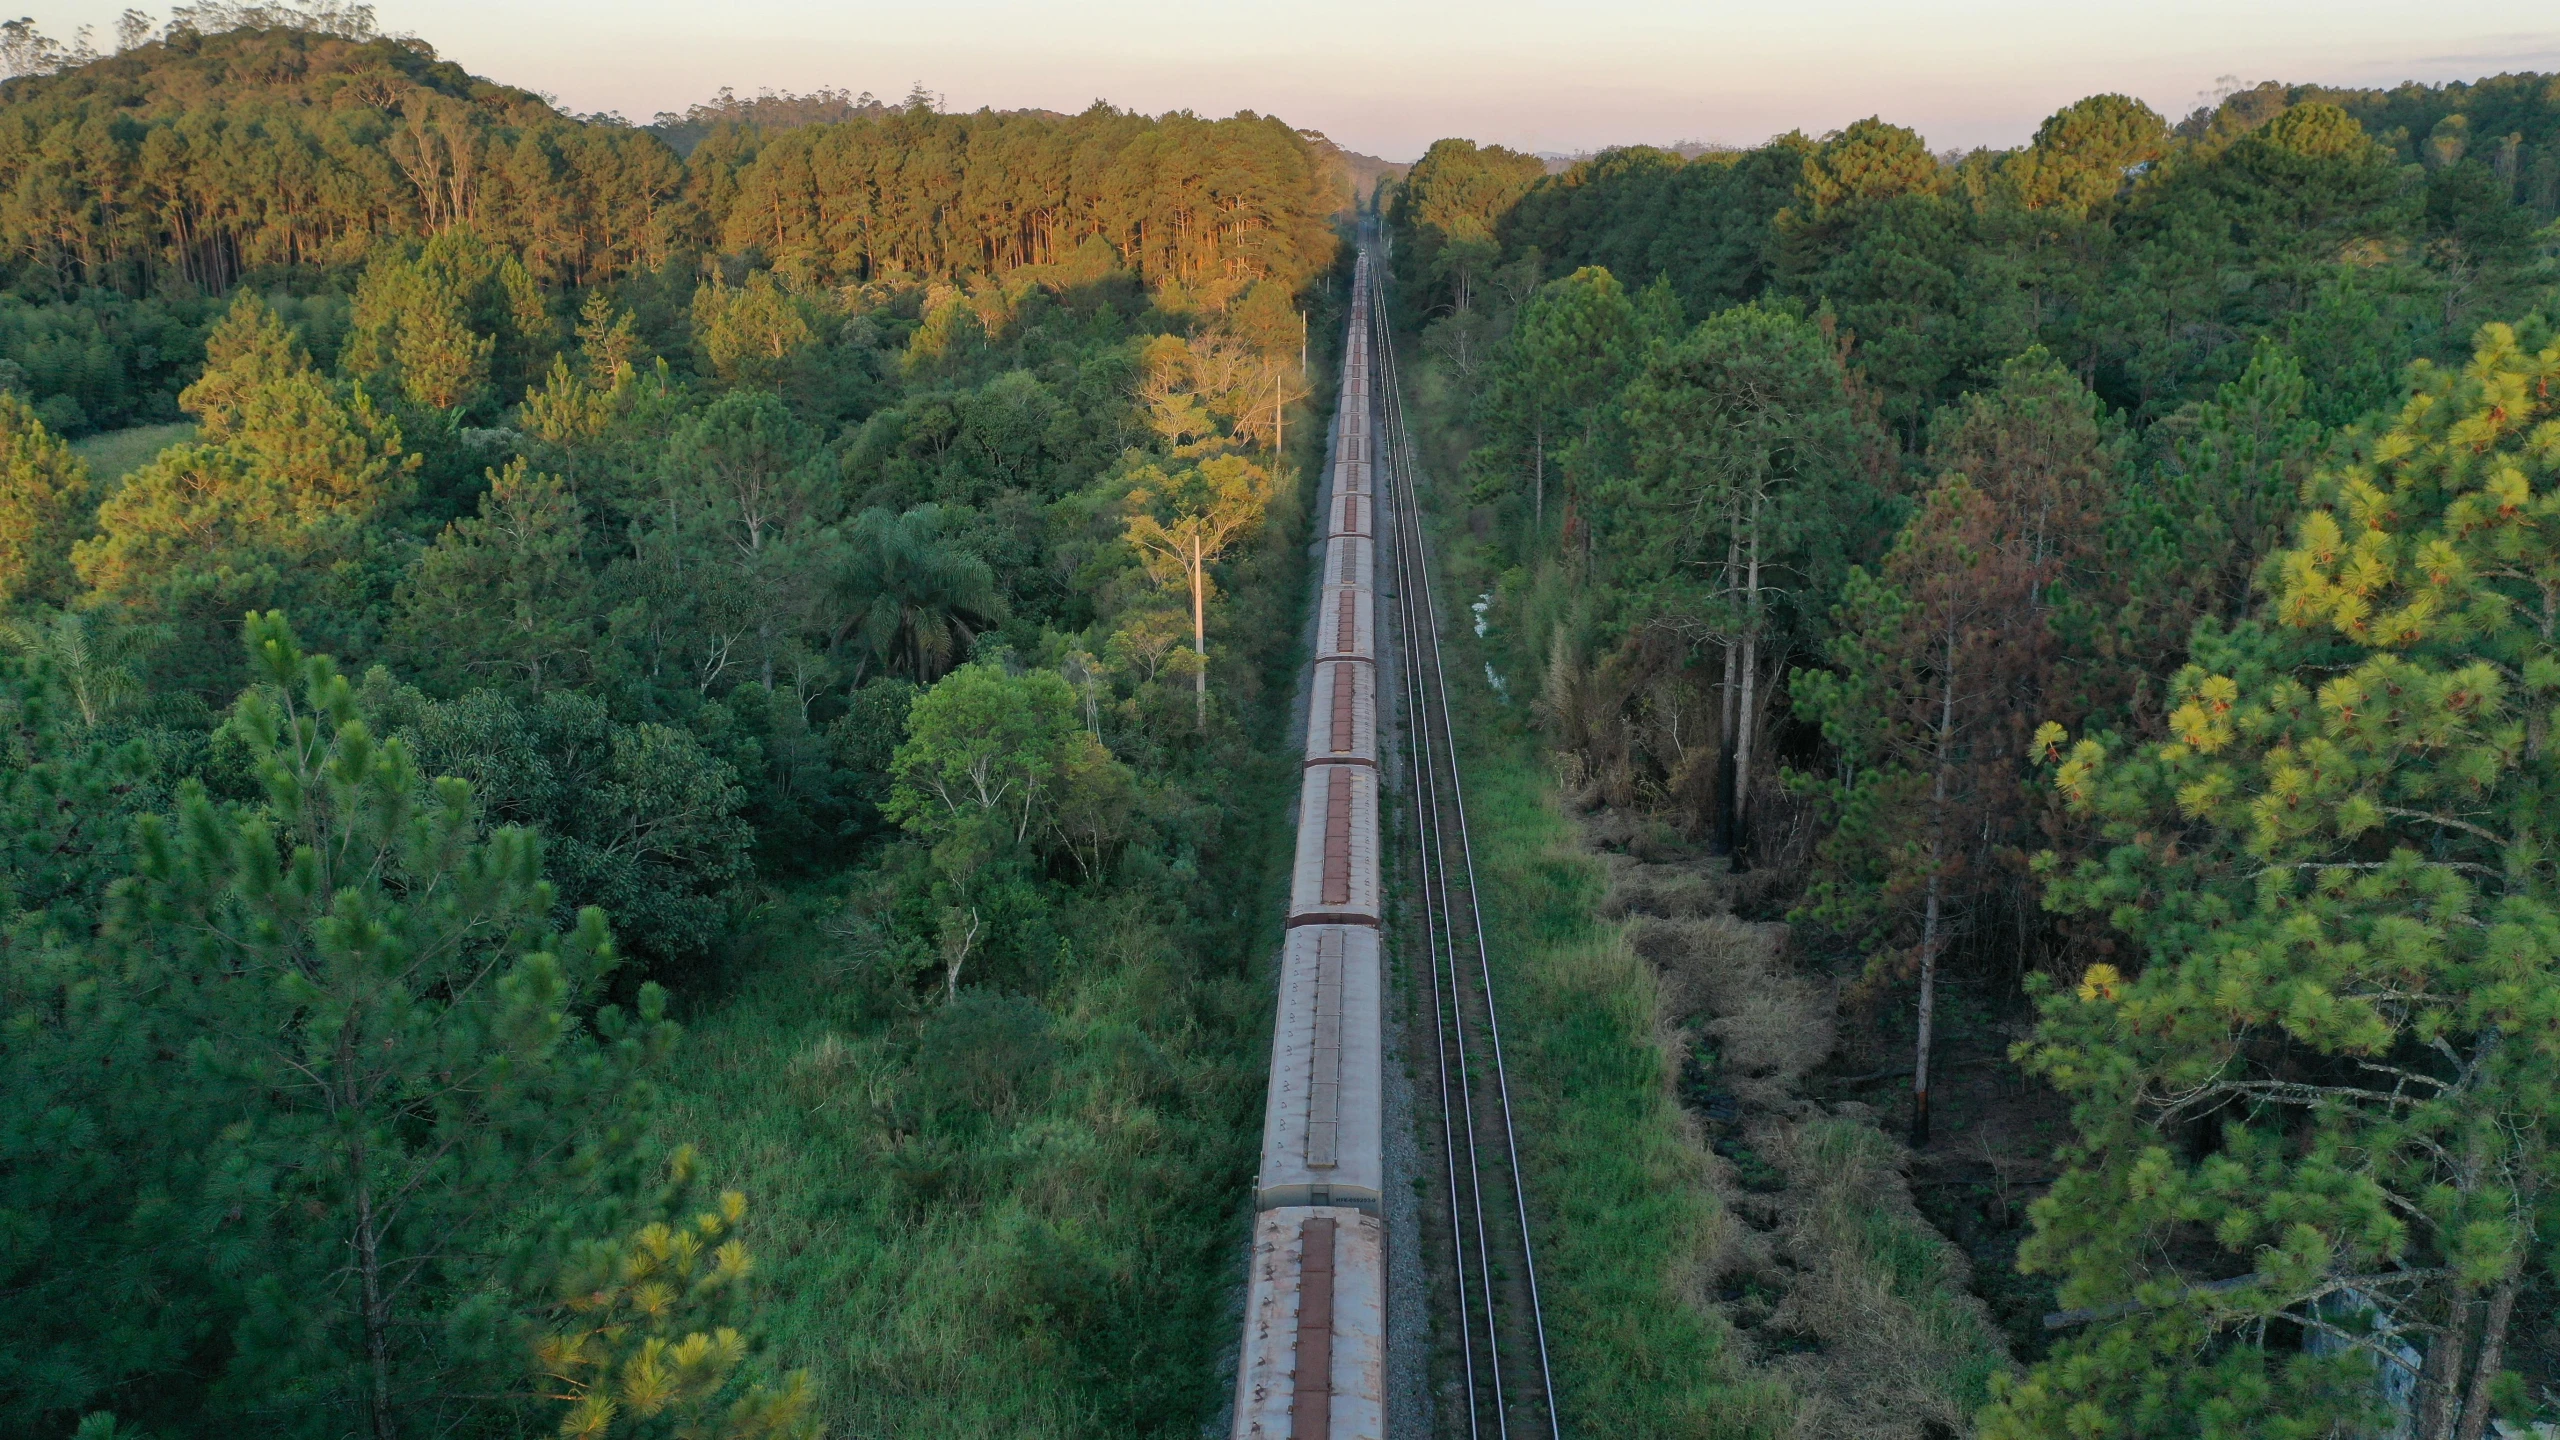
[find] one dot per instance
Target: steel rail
(1433, 925)
(1448, 1015)
(1387, 391)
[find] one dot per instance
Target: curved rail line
(1501, 1318)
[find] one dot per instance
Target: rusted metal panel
(1352, 512)
(1315, 1328)
(1336, 877)
(1311, 1389)
(1337, 837)
(1346, 622)
(1342, 714)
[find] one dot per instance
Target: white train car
(1353, 512)
(1315, 1328)
(1320, 1135)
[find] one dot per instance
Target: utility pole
(1278, 439)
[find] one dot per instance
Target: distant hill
(1361, 172)
(206, 157)
(1558, 162)
(777, 110)
(774, 110)
(769, 109)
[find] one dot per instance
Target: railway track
(1489, 1298)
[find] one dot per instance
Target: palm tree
(911, 597)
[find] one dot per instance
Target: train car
(1350, 560)
(1342, 720)
(1346, 623)
(1324, 1113)
(1315, 1328)
(1355, 421)
(1336, 878)
(1352, 512)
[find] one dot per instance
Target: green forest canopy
(136, 187)
(2111, 577)
(638, 544)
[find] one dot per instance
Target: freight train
(1313, 1365)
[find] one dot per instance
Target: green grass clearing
(114, 454)
(1049, 1256)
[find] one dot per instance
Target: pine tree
(97, 1287)
(282, 501)
(450, 327)
(506, 593)
(386, 1053)
(643, 1336)
(1936, 662)
(250, 348)
(44, 493)
(1737, 518)
(1567, 356)
(2322, 1099)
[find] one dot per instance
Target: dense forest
(721, 748)
(2114, 577)
(623, 810)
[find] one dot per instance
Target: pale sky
(1389, 76)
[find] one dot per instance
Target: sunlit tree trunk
(1200, 635)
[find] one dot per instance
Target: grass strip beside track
(1625, 1222)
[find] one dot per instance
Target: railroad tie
(1345, 723)
(1311, 1398)
(1324, 1087)
(1337, 837)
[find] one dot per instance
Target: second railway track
(1489, 1300)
